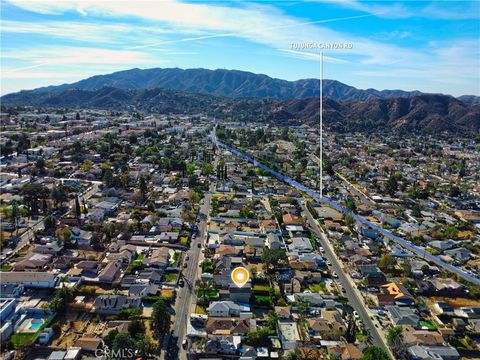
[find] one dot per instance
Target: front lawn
(207, 294)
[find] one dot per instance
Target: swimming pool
(35, 325)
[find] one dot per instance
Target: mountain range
(430, 113)
(232, 83)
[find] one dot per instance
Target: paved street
(185, 294)
(352, 294)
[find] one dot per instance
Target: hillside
(427, 113)
(230, 83)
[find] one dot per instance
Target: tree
(124, 346)
(271, 257)
(160, 319)
(143, 187)
(33, 194)
(136, 329)
(204, 287)
(350, 204)
(59, 195)
(386, 262)
(61, 298)
(207, 169)
(14, 212)
(110, 337)
(64, 235)
(49, 222)
(78, 209)
(395, 341)
(303, 306)
(260, 337)
(145, 348)
(349, 221)
(87, 165)
(374, 353)
(77, 116)
(391, 186)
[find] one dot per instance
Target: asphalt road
(353, 297)
(185, 294)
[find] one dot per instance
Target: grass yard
(319, 288)
(208, 294)
(201, 310)
(6, 267)
(184, 240)
(23, 339)
(430, 325)
(261, 288)
(172, 277)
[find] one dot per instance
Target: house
(289, 219)
(29, 279)
(142, 290)
(328, 213)
(222, 345)
(89, 344)
(227, 309)
(426, 337)
(96, 215)
(32, 261)
(109, 205)
(125, 254)
(345, 351)
(321, 329)
(110, 273)
(240, 294)
(425, 352)
(442, 245)
(394, 294)
(45, 336)
(403, 315)
(81, 237)
(160, 258)
(268, 226)
(113, 304)
(170, 236)
(460, 255)
(7, 306)
(289, 334)
(273, 242)
(446, 287)
(51, 247)
(300, 245)
(228, 326)
(11, 290)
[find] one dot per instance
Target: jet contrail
(167, 42)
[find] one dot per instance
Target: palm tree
(205, 286)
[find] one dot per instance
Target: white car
(334, 274)
(355, 314)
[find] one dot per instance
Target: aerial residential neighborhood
(239, 180)
(129, 228)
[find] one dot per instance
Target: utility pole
(321, 124)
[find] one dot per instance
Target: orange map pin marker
(240, 276)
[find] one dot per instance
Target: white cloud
(75, 56)
(261, 24)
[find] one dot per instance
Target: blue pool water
(35, 325)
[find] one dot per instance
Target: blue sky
(432, 46)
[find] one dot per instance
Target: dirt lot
(455, 302)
